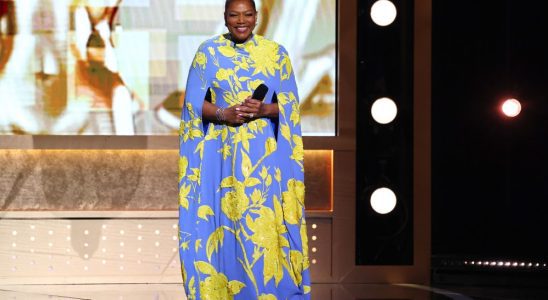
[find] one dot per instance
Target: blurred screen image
(119, 67)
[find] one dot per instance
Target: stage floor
(319, 292)
(174, 291)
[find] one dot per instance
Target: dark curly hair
(227, 3)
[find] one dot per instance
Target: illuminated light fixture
(383, 12)
(511, 108)
(384, 110)
(383, 200)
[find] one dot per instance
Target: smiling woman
(242, 228)
(240, 19)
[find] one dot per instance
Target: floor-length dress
(242, 229)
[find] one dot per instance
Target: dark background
(489, 172)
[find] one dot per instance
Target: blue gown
(242, 229)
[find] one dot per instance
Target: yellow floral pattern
(242, 229)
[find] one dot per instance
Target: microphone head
(260, 92)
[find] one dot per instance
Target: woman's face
(240, 19)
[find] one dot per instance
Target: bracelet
(220, 114)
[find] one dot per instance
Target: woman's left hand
(251, 109)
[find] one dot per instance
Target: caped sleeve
(289, 131)
(191, 129)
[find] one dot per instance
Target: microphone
(260, 92)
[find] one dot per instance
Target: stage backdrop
(119, 67)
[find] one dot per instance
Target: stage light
(157, 232)
(14, 233)
(384, 110)
(511, 108)
(383, 200)
(383, 12)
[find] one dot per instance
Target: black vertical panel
(489, 173)
(385, 152)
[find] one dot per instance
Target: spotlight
(384, 110)
(383, 12)
(383, 200)
(511, 108)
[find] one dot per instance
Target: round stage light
(383, 12)
(511, 108)
(384, 110)
(383, 200)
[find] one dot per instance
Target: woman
(242, 230)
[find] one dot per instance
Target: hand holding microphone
(253, 107)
